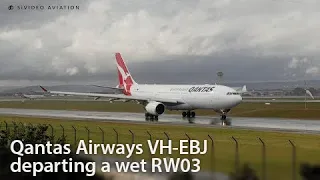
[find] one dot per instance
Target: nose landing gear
(224, 120)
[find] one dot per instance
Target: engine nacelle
(155, 108)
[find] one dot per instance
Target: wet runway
(245, 100)
(274, 124)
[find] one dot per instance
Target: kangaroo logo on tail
(125, 78)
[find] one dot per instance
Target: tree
(246, 173)
(299, 91)
(181, 176)
(309, 172)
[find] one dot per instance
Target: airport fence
(223, 155)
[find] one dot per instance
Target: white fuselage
(32, 96)
(216, 97)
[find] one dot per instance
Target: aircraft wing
(115, 96)
(108, 87)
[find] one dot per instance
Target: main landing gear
(188, 114)
(150, 117)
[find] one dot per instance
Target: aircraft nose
(238, 99)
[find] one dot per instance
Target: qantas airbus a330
(157, 98)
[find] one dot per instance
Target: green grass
(279, 110)
(278, 148)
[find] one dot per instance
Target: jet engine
(155, 108)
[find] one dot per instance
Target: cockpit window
(233, 93)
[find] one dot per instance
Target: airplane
(156, 98)
(31, 97)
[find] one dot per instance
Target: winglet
(44, 89)
(244, 88)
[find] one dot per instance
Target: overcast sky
(174, 41)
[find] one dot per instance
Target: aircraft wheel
(193, 114)
(152, 117)
(147, 116)
(188, 114)
(184, 114)
(156, 118)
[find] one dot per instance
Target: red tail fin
(125, 78)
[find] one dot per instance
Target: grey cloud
(178, 41)
(204, 69)
(303, 66)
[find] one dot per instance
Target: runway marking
(245, 112)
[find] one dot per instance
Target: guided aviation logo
(43, 7)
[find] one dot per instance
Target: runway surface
(295, 125)
(245, 100)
